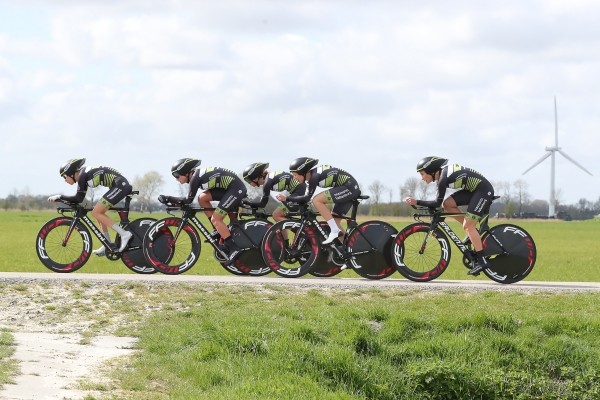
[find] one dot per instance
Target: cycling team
(294, 187)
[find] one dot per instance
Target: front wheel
(420, 253)
(62, 249)
(510, 251)
(171, 246)
(370, 243)
(289, 250)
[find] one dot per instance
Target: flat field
(567, 251)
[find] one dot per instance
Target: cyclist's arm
(194, 185)
(441, 192)
(310, 190)
(82, 187)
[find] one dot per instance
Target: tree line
(515, 201)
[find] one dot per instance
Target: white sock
(333, 225)
(119, 230)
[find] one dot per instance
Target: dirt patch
(64, 334)
(51, 364)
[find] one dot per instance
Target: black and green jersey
(279, 181)
(211, 178)
(324, 176)
(94, 177)
(456, 176)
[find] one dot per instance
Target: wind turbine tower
(551, 152)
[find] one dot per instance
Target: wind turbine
(551, 152)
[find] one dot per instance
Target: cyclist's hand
(411, 201)
(53, 198)
(164, 199)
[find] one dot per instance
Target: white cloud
(370, 87)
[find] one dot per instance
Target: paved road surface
(309, 281)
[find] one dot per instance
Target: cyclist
(257, 175)
(218, 184)
(74, 172)
(341, 190)
(474, 191)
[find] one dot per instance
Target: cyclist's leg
(230, 202)
(341, 197)
(206, 197)
(114, 195)
(279, 213)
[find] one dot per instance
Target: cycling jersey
(224, 185)
(343, 188)
(474, 190)
(279, 181)
(108, 177)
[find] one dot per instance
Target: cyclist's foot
(478, 267)
(100, 252)
(332, 236)
(125, 238)
(233, 255)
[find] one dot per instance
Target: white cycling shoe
(100, 252)
(125, 241)
(332, 236)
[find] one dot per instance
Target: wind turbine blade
(573, 161)
(548, 154)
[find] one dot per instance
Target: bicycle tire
(417, 265)
(327, 263)
(183, 247)
(517, 262)
(133, 257)
(63, 258)
(286, 262)
(248, 234)
(371, 242)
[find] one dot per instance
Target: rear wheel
(510, 251)
(170, 247)
(417, 259)
(328, 263)
(133, 257)
(248, 234)
(61, 251)
(293, 257)
(370, 243)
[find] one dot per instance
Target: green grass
(567, 251)
(8, 366)
(232, 343)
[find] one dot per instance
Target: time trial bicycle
(64, 244)
(294, 247)
(184, 241)
(421, 251)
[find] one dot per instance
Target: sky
(369, 87)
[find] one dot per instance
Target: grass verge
(233, 343)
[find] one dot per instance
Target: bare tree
(409, 188)
(522, 196)
(148, 186)
(377, 190)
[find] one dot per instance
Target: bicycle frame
(189, 214)
(309, 218)
(80, 214)
(438, 220)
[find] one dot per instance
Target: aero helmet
(183, 166)
(431, 164)
(302, 165)
(254, 171)
(70, 167)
